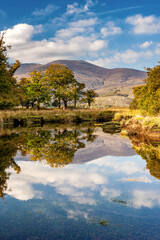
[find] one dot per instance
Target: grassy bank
(114, 120)
(134, 123)
(27, 117)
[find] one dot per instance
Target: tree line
(53, 86)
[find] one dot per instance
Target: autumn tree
(61, 80)
(8, 84)
(90, 96)
(36, 89)
(147, 97)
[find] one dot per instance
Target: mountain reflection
(56, 147)
(149, 151)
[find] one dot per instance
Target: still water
(78, 182)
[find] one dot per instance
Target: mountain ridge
(100, 79)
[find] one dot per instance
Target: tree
(90, 96)
(8, 84)
(77, 92)
(25, 100)
(36, 89)
(147, 97)
(61, 80)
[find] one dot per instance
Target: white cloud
(112, 193)
(84, 23)
(69, 32)
(80, 26)
(45, 12)
(76, 9)
(127, 57)
(146, 198)
(76, 46)
(19, 34)
(103, 62)
(110, 30)
(76, 183)
(146, 44)
(130, 56)
(144, 25)
(126, 166)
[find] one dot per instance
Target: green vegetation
(90, 96)
(34, 90)
(8, 85)
(147, 97)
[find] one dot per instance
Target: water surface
(77, 182)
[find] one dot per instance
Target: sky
(108, 33)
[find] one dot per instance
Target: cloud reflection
(85, 184)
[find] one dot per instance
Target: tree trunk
(32, 104)
(75, 102)
(38, 107)
(89, 104)
(59, 102)
(65, 104)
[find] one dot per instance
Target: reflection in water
(56, 147)
(110, 196)
(149, 151)
(8, 150)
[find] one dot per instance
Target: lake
(78, 182)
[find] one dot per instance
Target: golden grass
(56, 115)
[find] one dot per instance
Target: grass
(135, 122)
(149, 123)
(23, 117)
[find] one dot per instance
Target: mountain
(101, 79)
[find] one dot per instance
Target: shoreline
(143, 127)
(28, 117)
(126, 122)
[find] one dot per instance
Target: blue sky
(109, 33)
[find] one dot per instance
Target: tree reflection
(8, 149)
(54, 147)
(150, 151)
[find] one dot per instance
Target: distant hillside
(27, 68)
(117, 81)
